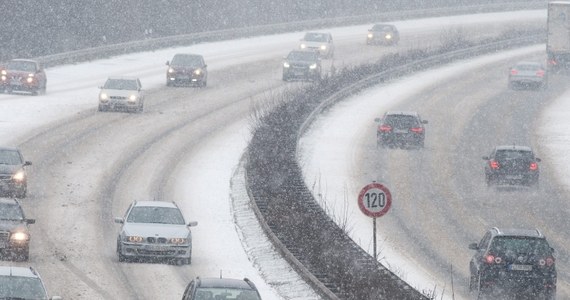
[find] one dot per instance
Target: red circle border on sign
(361, 200)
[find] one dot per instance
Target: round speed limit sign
(374, 200)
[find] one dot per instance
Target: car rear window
(520, 245)
(401, 121)
(527, 67)
(513, 154)
(226, 293)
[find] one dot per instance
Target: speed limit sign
(374, 200)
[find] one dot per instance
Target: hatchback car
(156, 230)
(319, 42)
(300, 64)
(509, 262)
(385, 34)
(121, 93)
(13, 175)
(400, 129)
(22, 283)
(527, 75)
(14, 231)
(512, 165)
(221, 288)
(24, 75)
(187, 69)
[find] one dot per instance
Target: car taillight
(550, 261)
(552, 62)
(514, 71)
(385, 128)
(490, 259)
(494, 164)
(533, 166)
(417, 130)
(540, 73)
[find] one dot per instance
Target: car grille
(4, 238)
(156, 252)
(153, 240)
(117, 98)
(5, 177)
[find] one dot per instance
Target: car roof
(122, 78)
(225, 282)
(155, 204)
(9, 148)
(405, 113)
(7, 200)
(24, 59)
(187, 54)
(18, 271)
(514, 147)
(534, 233)
(382, 25)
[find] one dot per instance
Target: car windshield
(401, 121)
(187, 60)
(212, 293)
(302, 56)
(152, 214)
(19, 65)
(10, 157)
(13, 287)
(121, 84)
(315, 37)
(513, 154)
(382, 28)
(520, 245)
(9, 211)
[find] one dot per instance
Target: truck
(558, 36)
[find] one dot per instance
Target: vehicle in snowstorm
(22, 283)
(512, 165)
(513, 262)
(155, 230)
(188, 69)
(558, 36)
(384, 34)
(302, 64)
(13, 175)
(23, 75)
(320, 42)
(221, 288)
(14, 231)
(527, 74)
(121, 93)
(400, 129)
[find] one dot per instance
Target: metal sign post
(374, 200)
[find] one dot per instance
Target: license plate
(15, 82)
(183, 77)
(400, 131)
(513, 176)
(154, 248)
(521, 267)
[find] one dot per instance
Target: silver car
(121, 93)
(155, 229)
(527, 74)
(319, 42)
(22, 283)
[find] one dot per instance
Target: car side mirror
(30, 221)
(192, 224)
(485, 157)
(168, 63)
(377, 120)
(537, 159)
(205, 66)
(473, 246)
(119, 220)
(27, 163)
(552, 249)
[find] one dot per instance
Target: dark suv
(517, 262)
(302, 64)
(400, 129)
(221, 288)
(511, 165)
(187, 69)
(14, 231)
(13, 176)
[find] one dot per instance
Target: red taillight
(550, 261)
(385, 128)
(494, 164)
(514, 71)
(552, 62)
(417, 130)
(533, 166)
(540, 73)
(490, 259)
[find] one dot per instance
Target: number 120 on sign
(374, 200)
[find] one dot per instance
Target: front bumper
(11, 187)
(300, 73)
(155, 250)
(173, 78)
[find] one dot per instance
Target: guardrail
(309, 240)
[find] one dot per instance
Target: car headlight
(323, 47)
(4, 72)
(19, 176)
(388, 36)
(286, 65)
(198, 71)
(303, 46)
(19, 236)
(178, 241)
(30, 79)
(3, 77)
(370, 35)
(134, 239)
(170, 70)
(133, 98)
(313, 66)
(103, 96)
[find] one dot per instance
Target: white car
(320, 42)
(155, 230)
(121, 93)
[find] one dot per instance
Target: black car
(400, 129)
(221, 288)
(513, 262)
(512, 165)
(300, 64)
(13, 176)
(14, 231)
(188, 69)
(385, 34)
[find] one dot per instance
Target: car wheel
(22, 193)
(101, 108)
(121, 257)
(22, 255)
